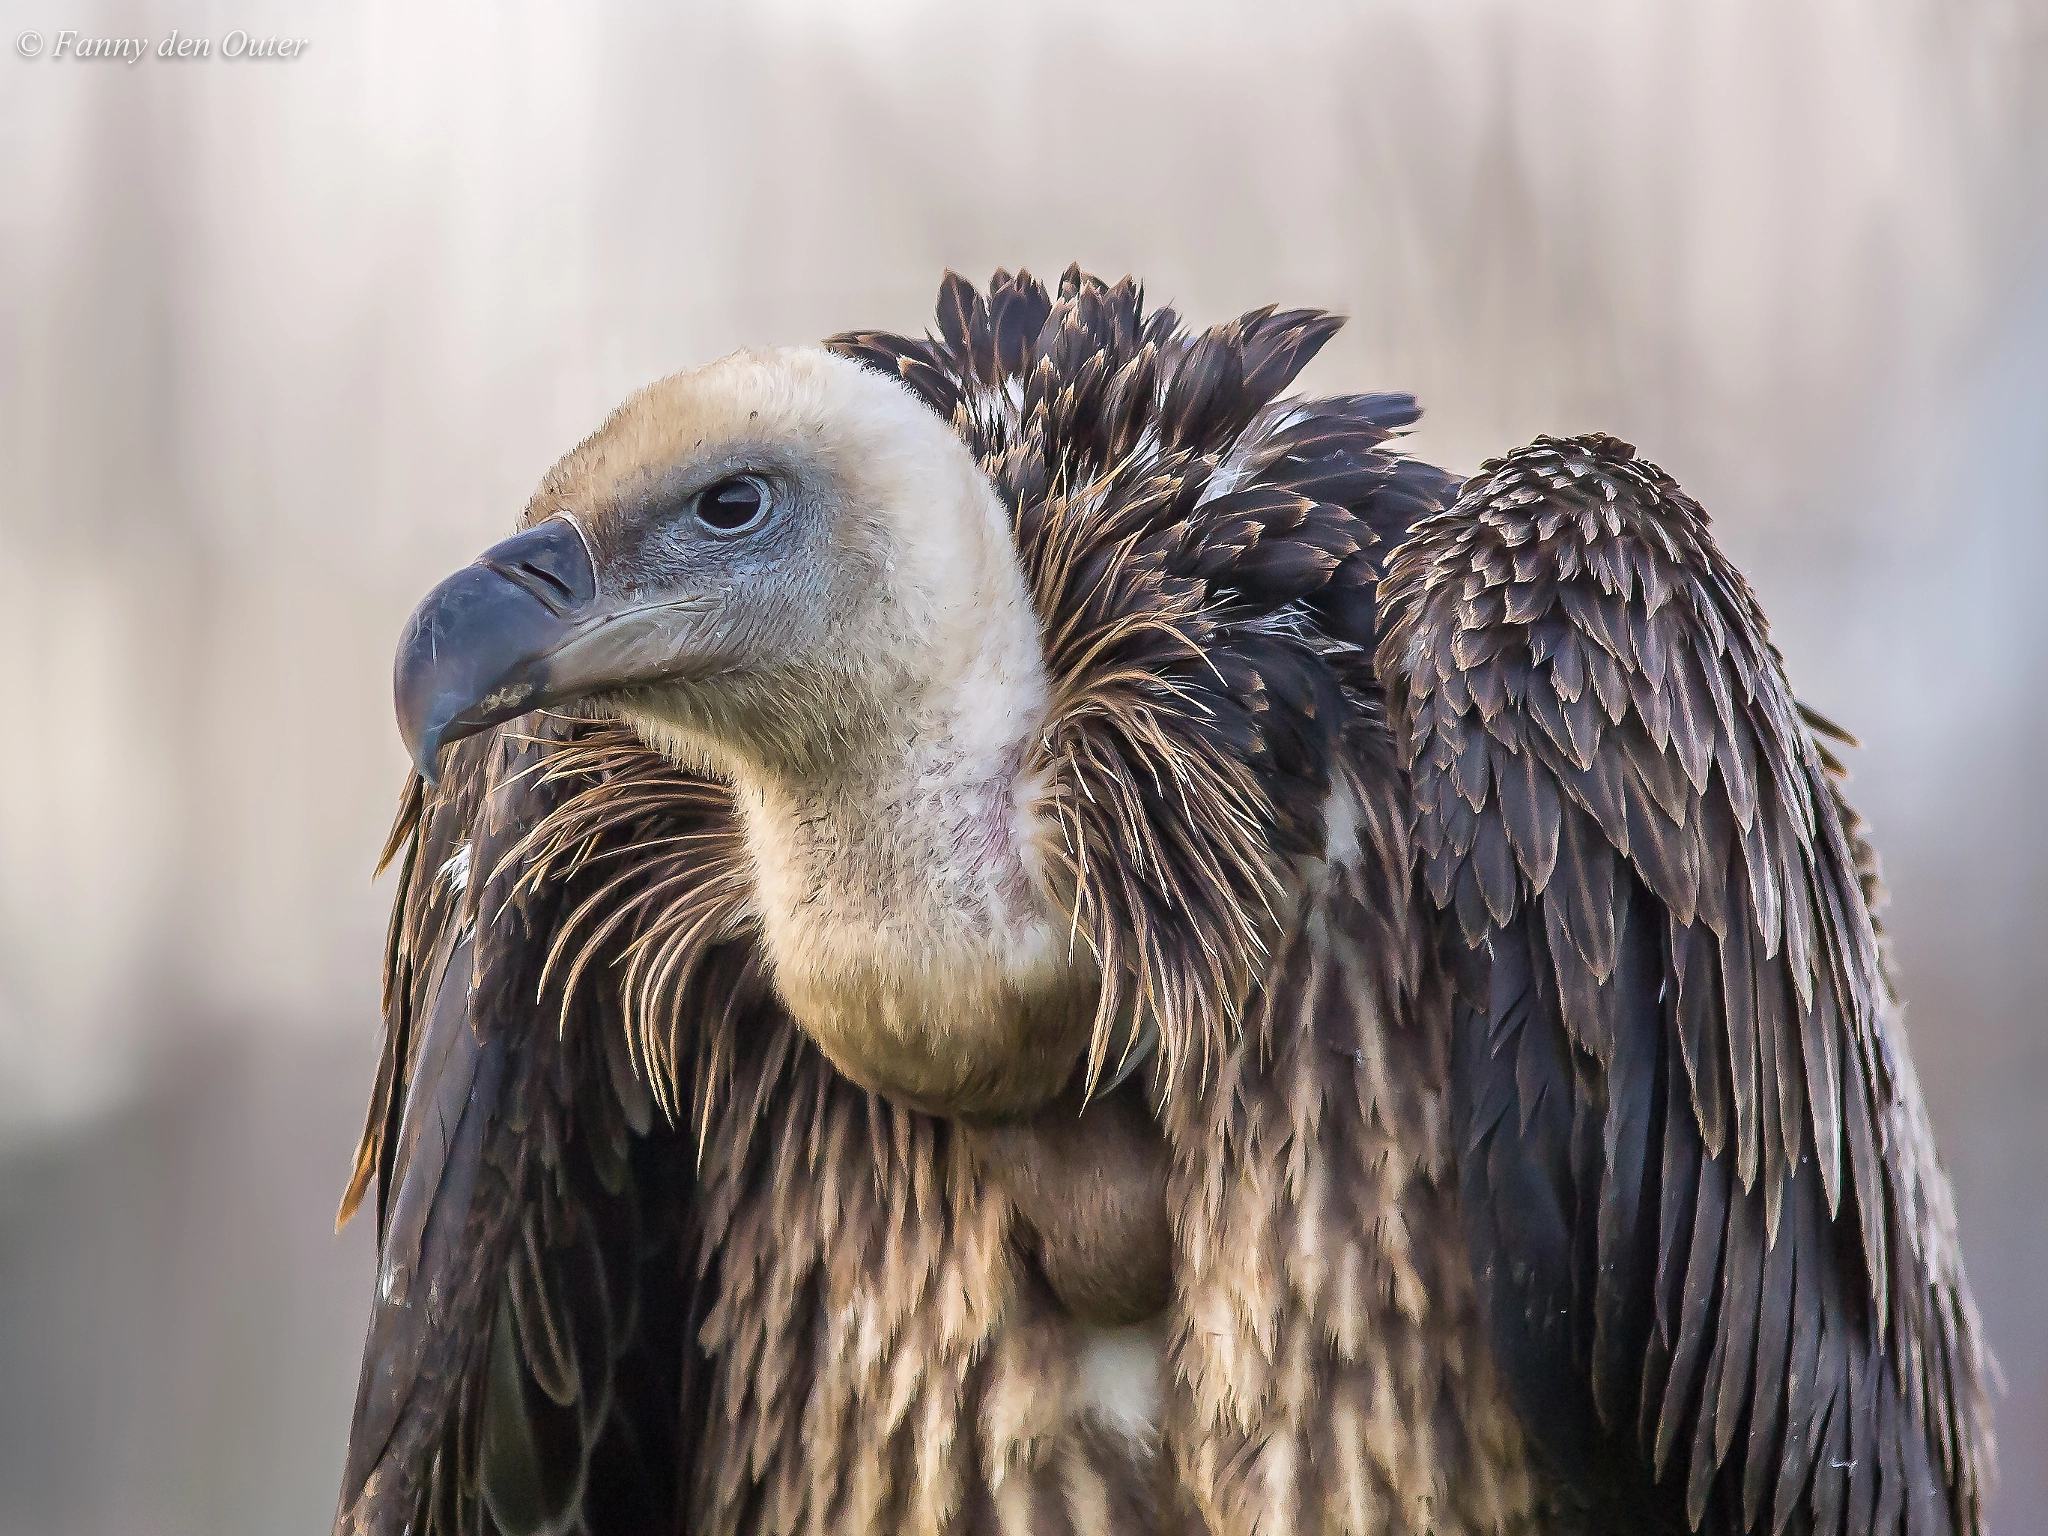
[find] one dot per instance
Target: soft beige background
(286, 341)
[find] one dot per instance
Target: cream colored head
(878, 568)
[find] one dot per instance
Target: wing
(530, 1364)
(1714, 1245)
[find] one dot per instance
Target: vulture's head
(778, 563)
(789, 574)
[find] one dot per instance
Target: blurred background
(287, 340)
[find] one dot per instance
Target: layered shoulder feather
(1718, 1252)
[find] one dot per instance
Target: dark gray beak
(481, 648)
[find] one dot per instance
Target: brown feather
(1780, 1005)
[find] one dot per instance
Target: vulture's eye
(732, 505)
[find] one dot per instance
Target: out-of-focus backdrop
(285, 340)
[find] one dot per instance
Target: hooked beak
(521, 629)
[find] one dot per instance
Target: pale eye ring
(733, 505)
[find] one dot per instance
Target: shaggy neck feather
(898, 878)
(902, 899)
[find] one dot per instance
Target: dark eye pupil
(730, 504)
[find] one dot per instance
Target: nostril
(551, 562)
(547, 577)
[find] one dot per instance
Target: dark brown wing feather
(526, 1367)
(1715, 1243)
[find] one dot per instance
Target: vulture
(1021, 931)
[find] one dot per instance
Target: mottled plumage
(1400, 985)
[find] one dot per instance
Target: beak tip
(423, 745)
(421, 734)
